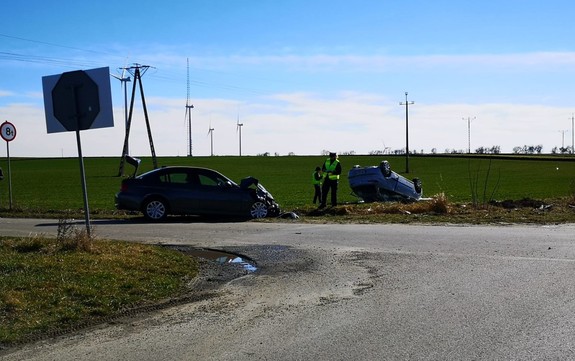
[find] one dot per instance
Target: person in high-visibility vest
(316, 180)
(332, 170)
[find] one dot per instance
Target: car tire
(417, 185)
(259, 210)
(155, 209)
(385, 169)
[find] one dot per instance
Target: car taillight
(124, 187)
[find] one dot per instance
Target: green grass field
(53, 186)
(47, 184)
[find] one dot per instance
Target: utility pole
(469, 119)
(137, 71)
(189, 111)
(123, 81)
(407, 104)
(572, 133)
(239, 129)
(563, 138)
(189, 108)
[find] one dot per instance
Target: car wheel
(155, 209)
(417, 185)
(385, 168)
(259, 210)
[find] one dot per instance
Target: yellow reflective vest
(330, 168)
(316, 178)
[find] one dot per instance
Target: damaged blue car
(381, 184)
(194, 191)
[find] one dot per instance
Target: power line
(83, 63)
(46, 60)
(51, 44)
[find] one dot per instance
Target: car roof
(176, 168)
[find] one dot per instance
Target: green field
(47, 184)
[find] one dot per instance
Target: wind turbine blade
(125, 67)
(122, 85)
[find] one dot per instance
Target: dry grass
(439, 209)
(70, 237)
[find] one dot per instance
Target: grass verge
(440, 210)
(46, 286)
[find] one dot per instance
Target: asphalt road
(348, 292)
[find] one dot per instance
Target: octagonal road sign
(75, 100)
(105, 118)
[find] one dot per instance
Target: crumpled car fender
(247, 182)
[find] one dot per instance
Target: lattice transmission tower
(137, 71)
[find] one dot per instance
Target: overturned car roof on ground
(381, 184)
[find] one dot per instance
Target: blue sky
(302, 76)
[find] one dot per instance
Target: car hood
(247, 182)
(260, 189)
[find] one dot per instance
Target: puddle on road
(224, 258)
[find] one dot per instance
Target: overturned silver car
(381, 184)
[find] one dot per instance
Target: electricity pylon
(137, 71)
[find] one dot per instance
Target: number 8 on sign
(8, 131)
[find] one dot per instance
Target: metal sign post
(75, 101)
(76, 104)
(8, 133)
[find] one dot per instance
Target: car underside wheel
(385, 169)
(259, 210)
(417, 185)
(155, 209)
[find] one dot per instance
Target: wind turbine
(189, 108)
(239, 131)
(123, 80)
(211, 134)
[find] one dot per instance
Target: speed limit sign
(8, 131)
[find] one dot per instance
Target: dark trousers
(317, 193)
(327, 185)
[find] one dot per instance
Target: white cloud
(302, 123)
(375, 62)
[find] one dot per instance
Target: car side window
(207, 181)
(164, 178)
(178, 178)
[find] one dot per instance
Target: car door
(217, 195)
(180, 187)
